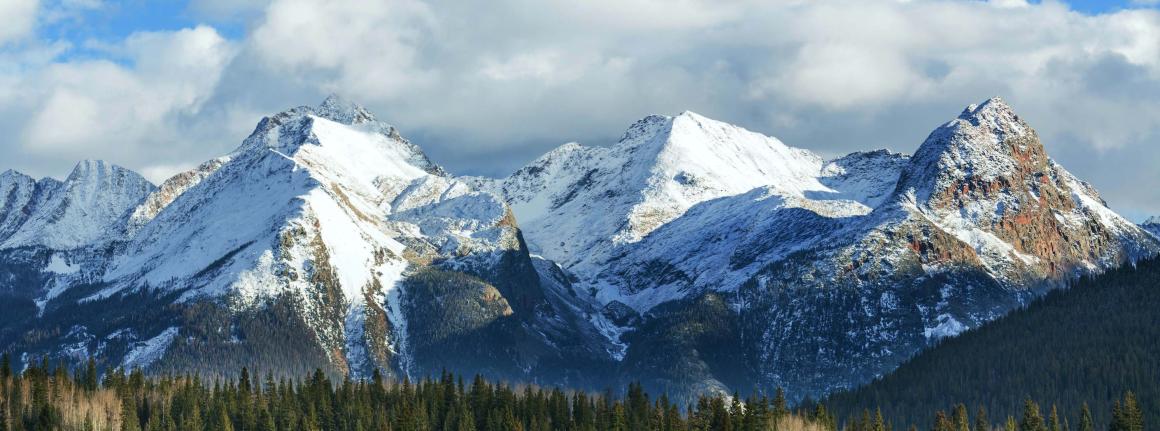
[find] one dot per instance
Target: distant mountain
(293, 252)
(1088, 343)
(826, 274)
(1152, 225)
(692, 255)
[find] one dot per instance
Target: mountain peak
(93, 169)
(11, 173)
(985, 142)
(340, 110)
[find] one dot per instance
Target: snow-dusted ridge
(829, 271)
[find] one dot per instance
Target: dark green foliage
(1088, 343)
(685, 344)
(1126, 415)
(136, 402)
(215, 341)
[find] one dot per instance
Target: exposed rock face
(319, 228)
(696, 255)
(836, 272)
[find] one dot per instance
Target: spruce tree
(1085, 419)
(942, 422)
(981, 422)
(1053, 420)
(962, 421)
(1032, 420)
(779, 405)
(1010, 425)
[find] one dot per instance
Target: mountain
(55, 233)
(692, 255)
(1087, 343)
(578, 203)
(827, 273)
(1152, 225)
(325, 240)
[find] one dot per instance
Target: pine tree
(129, 419)
(1085, 419)
(1127, 416)
(1010, 425)
(1053, 420)
(779, 405)
(942, 422)
(90, 382)
(961, 420)
(981, 422)
(1032, 420)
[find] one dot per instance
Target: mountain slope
(1152, 225)
(326, 226)
(831, 272)
(1088, 343)
(78, 212)
(578, 203)
(694, 256)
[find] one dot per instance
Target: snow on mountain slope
(168, 192)
(986, 179)
(578, 203)
(18, 192)
(1152, 225)
(82, 210)
(884, 251)
(332, 207)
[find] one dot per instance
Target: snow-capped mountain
(578, 203)
(829, 272)
(328, 223)
(1152, 225)
(77, 212)
(692, 255)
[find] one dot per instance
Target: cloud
(133, 112)
(19, 19)
(486, 86)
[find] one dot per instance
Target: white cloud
(364, 47)
(19, 19)
(102, 109)
(514, 77)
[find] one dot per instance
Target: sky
(159, 86)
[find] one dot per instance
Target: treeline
(1085, 344)
(1126, 416)
(41, 398)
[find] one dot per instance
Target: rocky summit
(691, 255)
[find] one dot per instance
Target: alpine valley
(691, 255)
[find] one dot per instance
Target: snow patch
(147, 352)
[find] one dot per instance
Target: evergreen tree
(1053, 420)
(981, 422)
(1085, 419)
(962, 421)
(1127, 416)
(1032, 420)
(942, 422)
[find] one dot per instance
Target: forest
(51, 398)
(1087, 343)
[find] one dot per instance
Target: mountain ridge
(756, 263)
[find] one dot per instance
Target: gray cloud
(486, 86)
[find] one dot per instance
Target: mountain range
(691, 255)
